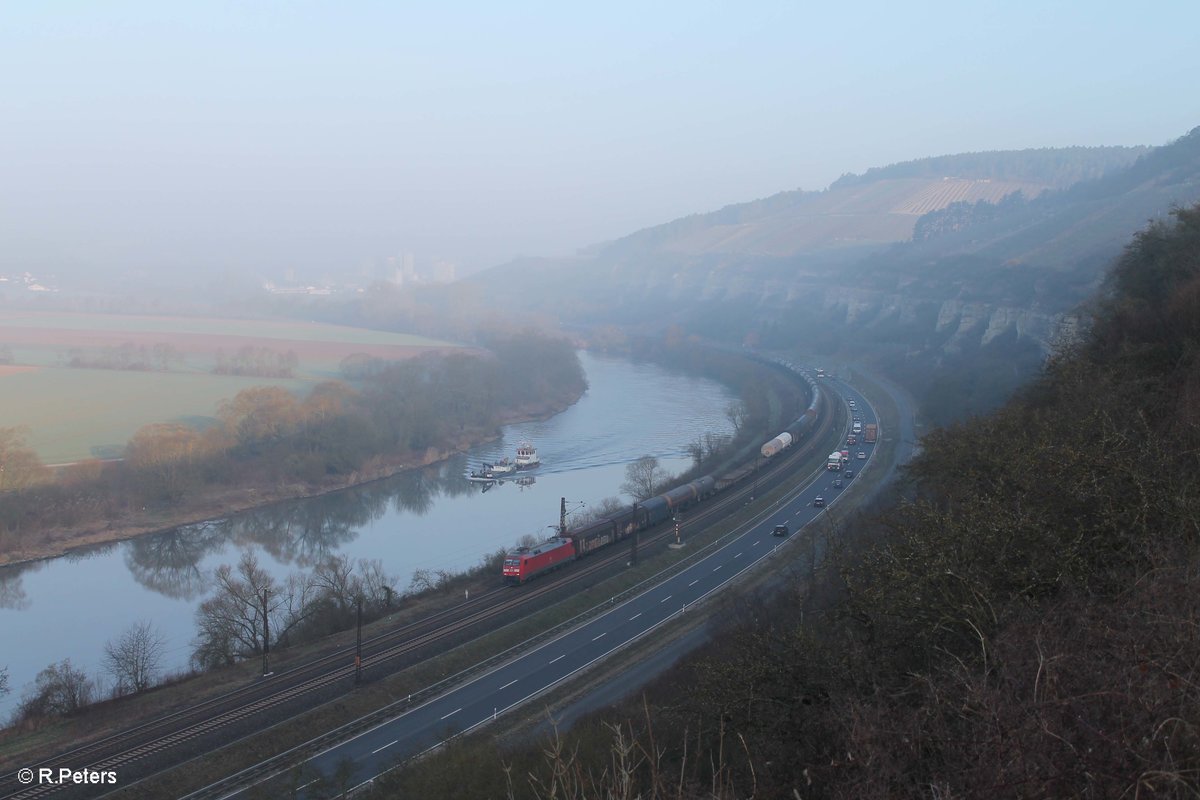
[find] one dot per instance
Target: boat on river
(527, 457)
(493, 471)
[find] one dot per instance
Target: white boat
(527, 457)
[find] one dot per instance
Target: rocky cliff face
(997, 267)
(946, 323)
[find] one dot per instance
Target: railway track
(264, 701)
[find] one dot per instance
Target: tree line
(269, 436)
(159, 357)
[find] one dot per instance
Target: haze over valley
(665, 401)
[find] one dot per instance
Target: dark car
(848, 474)
(780, 530)
(837, 483)
(818, 501)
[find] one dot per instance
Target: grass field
(74, 414)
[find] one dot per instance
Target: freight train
(525, 563)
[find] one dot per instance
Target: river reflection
(302, 534)
(429, 519)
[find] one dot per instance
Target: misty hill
(855, 215)
(881, 206)
(921, 269)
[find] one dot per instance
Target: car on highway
(862, 454)
(848, 474)
(780, 530)
(837, 483)
(818, 502)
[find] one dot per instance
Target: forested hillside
(1021, 624)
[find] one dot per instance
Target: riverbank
(55, 542)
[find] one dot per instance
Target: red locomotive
(523, 564)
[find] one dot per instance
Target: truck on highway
(870, 433)
(835, 460)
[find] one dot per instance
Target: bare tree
(231, 621)
(4, 680)
(336, 582)
(59, 689)
(134, 660)
(643, 478)
(706, 445)
(737, 413)
(377, 587)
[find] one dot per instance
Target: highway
(361, 759)
(147, 746)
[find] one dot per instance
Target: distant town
(28, 282)
(401, 270)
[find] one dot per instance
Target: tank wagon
(522, 564)
(799, 426)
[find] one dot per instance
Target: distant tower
(410, 267)
(392, 272)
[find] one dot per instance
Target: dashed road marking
(389, 744)
(452, 713)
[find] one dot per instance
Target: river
(428, 519)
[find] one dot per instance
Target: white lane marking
(756, 543)
(594, 638)
(505, 686)
(693, 583)
(452, 713)
(717, 567)
(635, 616)
(739, 555)
(665, 599)
(560, 658)
(389, 744)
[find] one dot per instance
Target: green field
(75, 413)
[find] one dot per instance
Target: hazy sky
(261, 136)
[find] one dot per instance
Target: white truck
(835, 460)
